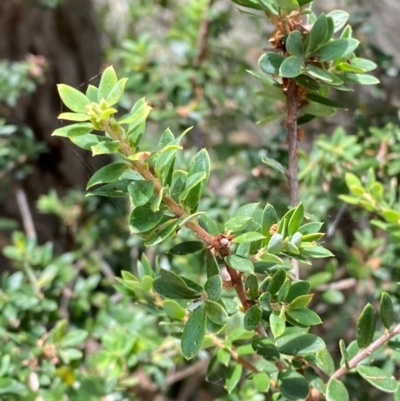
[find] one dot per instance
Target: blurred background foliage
(65, 333)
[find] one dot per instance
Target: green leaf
(110, 172)
(233, 378)
(116, 189)
(248, 237)
(323, 100)
(277, 281)
(137, 115)
(265, 348)
(162, 232)
(292, 385)
(325, 361)
(292, 67)
(275, 244)
(105, 147)
(213, 287)
(297, 289)
(140, 192)
(265, 301)
(363, 64)
(91, 93)
(296, 219)
(317, 36)
(288, 5)
(252, 317)
(362, 79)
(339, 19)
(299, 344)
(248, 3)
(237, 223)
(307, 82)
(187, 247)
(379, 378)
(310, 228)
(271, 62)
(215, 312)
(336, 49)
(177, 284)
(261, 382)
(73, 117)
(316, 252)
(251, 286)
(173, 309)
(241, 264)
(178, 184)
(365, 328)
(269, 6)
(336, 391)
(272, 92)
(74, 130)
(294, 44)
(301, 301)
(76, 101)
(191, 182)
(73, 338)
(107, 82)
(278, 325)
(116, 92)
(143, 219)
(304, 316)
(324, 75)
(194, 332)
(386, 310)
(319, 110)
(275, 165)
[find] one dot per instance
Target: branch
(26, 215)
(367, 351)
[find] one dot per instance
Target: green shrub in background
(225, 286)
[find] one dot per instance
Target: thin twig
(338, 285)
(367, 352)
(25, 212)
(190, 370)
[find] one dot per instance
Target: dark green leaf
(386, 310)
(292, 67)
(187, 247)
(176, 284)
(241, 264)
(304, 316)
(116, 189)
(318, 109)
(251, 286)
(307, 82)
(277, 281)
(323, 100)
(339, 48)
(213, 287)
(293, 385)
(252, 317)
(140, 192)
(365, 328)
(233, 378)
(178, 184)
(297, 289)
(143, 219)
(265, 348)
(275, 165)
(379, 378)
(173, 309)
(211, 264)
(215, 312)
(194, 332)
(162, 232)
(317, 36)
(299, 344)
(110, 172)
(336, 391)
(294, 44)
(270, 62)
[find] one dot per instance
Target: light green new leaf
(252, 317)
(116, 92)
(278, 325)
(173, 309)
(107, 82)
(74, 130)
(73, 99)
(318, 34)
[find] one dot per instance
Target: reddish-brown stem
(367, 352)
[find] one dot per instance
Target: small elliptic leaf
(296, 219)
(140, 192)
(336, 49)
(261, 382)
(292, 67)
(185, 248)
(336, 391)
(293, 385)
(173, 309)
(194, 332)
(266, 348)
(270, 62)
(233, 378)
(275, 165)
(297, 289)
(339, 18)
(301, 301)
(143, 219)
(116, 92)
(251, 286)
(110, 172)
(299, 344)
(241, 264)
(317, 36)
(288, 5)
(163, 231)
(365, 328)
(325, 361)
(213, 287)
(252, 317)
(215, 312)
(386, 310)
(277, 281)
(107, 82)
(305, 317)
(236, 223)
(294, 44)
(307, 82)
(278, 325)
(248, 237)
(275, 244)
(73, 117)
(379, 378)
(73, 99)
